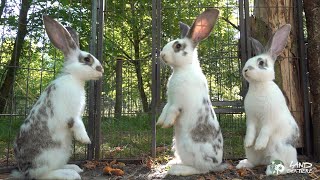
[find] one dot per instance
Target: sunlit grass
(130, 137)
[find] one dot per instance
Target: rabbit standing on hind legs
(198, 140)
(44, 143)
(271, 129)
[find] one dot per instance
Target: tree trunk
(312, 13)
(7, 84)
(269, 15)
(2, 5)
(119, 94)
(143, 95)
(137, 63)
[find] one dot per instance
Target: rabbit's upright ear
(74, 34)
(203, 25)
(257, 47)
(59, 36)
(278, 41)
(184, 29)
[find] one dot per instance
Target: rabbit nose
(162, 55)
(99, 68)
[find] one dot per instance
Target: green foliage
(127, 36)
(218, 54)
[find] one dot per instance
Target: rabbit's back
(46, 131)
(35, 136)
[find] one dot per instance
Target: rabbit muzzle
(162, 57)
(100, 69)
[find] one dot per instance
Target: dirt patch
(141, 171)
(159, 171)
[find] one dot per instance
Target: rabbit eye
(261, 63)
(87, 59)
(178, 46)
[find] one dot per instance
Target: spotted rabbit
(271, 129)
(44, 143)
(198, 141)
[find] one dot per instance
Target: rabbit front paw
(165, 123)
(244, 164)
(248, 142)
(82, 137)
(74, 167)
(168, 123)
(167, 118)
(262, 140)
(260, 144)
(161, 119)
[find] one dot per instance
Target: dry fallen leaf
(161, 149)
(118, 165)
(117, 172)
(110, 171)
(90, 164)
(107, 170)
(201, 178)
(113, 162)
(118, 149)
(211, 177)
(149, 163)
(121, 164)
(242, 172)
(312, 176)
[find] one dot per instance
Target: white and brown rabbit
(271, 129)
(198, 140)
(44, 143)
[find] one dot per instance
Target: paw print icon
(277, 167)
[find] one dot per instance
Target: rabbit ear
(257, 47)
(278, 41)
(203, 25)
(184, 29)
(74, 35)
(59, 36)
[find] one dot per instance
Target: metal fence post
(156, 30)
(245, 47)
(92, 49)
(98, 84)
(304, 78)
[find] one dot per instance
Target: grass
(131, 137)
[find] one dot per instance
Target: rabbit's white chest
(264, 102)
(256, 103)
(256, 107)
(185, 87)
(68, 99)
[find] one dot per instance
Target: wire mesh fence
(130, 53)
(29, 62)
(219, 60)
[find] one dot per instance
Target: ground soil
(141, 171)
(144, 171)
